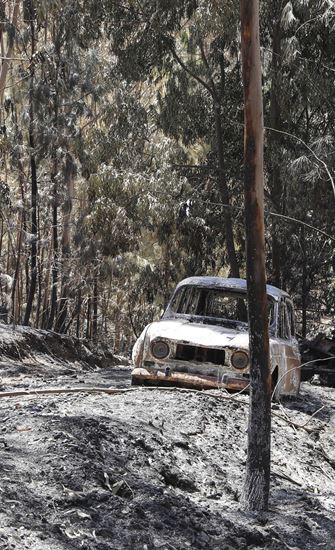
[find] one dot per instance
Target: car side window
(285, 329)
(290, 313)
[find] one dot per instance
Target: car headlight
(160, 349)
(240, 359)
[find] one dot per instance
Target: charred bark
(304, 288)
(88, 319)
(17, 271)
(274, 142)
(78, 313)
(234, 268)
(33, 171)
(66, 246)
(95, 309)
(54, 278)
(257, 483)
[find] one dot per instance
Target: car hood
(199, 334)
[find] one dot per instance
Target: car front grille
(186, 352)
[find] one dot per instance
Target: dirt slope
(154, 469)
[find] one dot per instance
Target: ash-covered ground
(150, 469)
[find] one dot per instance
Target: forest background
(121, 138)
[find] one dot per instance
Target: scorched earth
(149, 468)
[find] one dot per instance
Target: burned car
(202, 339)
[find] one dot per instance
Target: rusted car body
(202, 339)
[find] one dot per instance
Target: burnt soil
(150, 468)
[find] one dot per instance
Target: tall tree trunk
(274, 142)
(78, 313)
(1, 235)
(21, 232)
(95, 308)
(55, 260)
(55, 245)
(33, 260)
(2, 18)
(11, 35)
(257, 483)
(223, 187)
(17, 270)
(45, 308)
(40, 275)
(304, 289)
(88, 318)
(66, 244)
(234, 268)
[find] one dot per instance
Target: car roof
(229, 283)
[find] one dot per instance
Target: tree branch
(191, 73)
(322, 162)
(209, 72)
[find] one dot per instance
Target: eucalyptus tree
(259, 428)
(297, 42)
(137, 128)
(54, 41)
(184, 48)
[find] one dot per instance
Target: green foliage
(130, 91)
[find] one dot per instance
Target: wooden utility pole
(256, 490)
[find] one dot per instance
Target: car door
(290, 355)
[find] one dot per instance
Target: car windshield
(214, 304)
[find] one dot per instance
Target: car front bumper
(151, 377)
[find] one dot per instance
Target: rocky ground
(146, 469)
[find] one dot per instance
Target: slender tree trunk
(15, 298)
(24, 264)
(55, 245)
(76, 311)
(223, 187)
(88, 318)
(275, 142)
(117, 335)
(1, 236)
(17, 270)
(234, 268)
(2, 20)
(40, 276)
(55, 260)
(6, 62)
(79, 304)
(8, 250)
(66, 245)
(45, 310)
(256, 490)
(33, 260)
(304, 291)
(166, 271)
(20, 297)
(95, 309)
(218, 103)
(17, 314)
